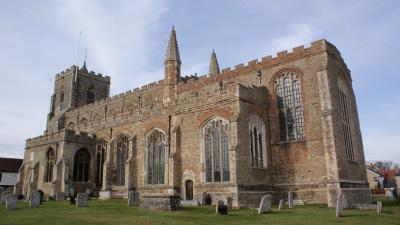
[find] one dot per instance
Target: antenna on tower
(84, 62)
(77, 58)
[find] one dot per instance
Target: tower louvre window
(90, 96)
(290, 109)
(62, 93)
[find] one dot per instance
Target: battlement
(73, 69)
(120, 96)
(64, 134)
(188, 83)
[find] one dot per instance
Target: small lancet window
(155, 154)
(49, 165)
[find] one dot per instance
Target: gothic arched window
(62, 94)
(49, 165)
(344, 99)
(100, 158)
(90, 96)
(81, 166)
(121, 156)
(155, 157)
(216, 150)
(258, 145)
(290, 109)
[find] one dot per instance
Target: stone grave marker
(34, 202)
(339, 206)
(290, 199)
(229, 203)
(4, 196)
(281, 204)
(344, 202)
(11, 202)
(221, 208)
(82, 200)
(133, 198)
(60, 196)
(265, 205)
(379, 207)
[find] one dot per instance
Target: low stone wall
(161, 202)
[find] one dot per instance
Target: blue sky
(127, 41)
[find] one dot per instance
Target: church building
(279, 124)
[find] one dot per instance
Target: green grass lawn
(117, 212)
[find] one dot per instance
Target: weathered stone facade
(315, 166)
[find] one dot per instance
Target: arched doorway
(189, 189)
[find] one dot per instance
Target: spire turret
(214, 67)
(172, 61)
(172, 50)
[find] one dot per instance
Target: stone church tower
(279, 124)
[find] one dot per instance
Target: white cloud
(117, 35)
(296, 35)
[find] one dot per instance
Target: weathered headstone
(229, 203)
(379, 207)
(133, 198)
(265, 205)
(339, 206)
(281, 204)
(203, 198)
(72, 200)
(60, 196)
(34, 202)
(11, 202)
(82, 200)
(290, 199)
(344, 202)
(4, 196)
(221, 208)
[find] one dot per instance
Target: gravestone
(265, 205)
(82, 200)
(60, 196)
(229, 203)
(72, 200)
(11, 202)
(34, 202)
(4, 196)
(203, 198)
(281, 204)
(221, 208)
(290, 199)
(133, 198)
(339, 206)
(379, 207)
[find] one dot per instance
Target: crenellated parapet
(91, 74)
(62, 135)
(322, 46)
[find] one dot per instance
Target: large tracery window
(257, 141)
(100, 158)
(155, 154)
(49, 165)
(290, 109)
(343, 92)
(216, 149)
(81, 165)
(121, 156)
(90, 96)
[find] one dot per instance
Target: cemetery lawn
(116, 212)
